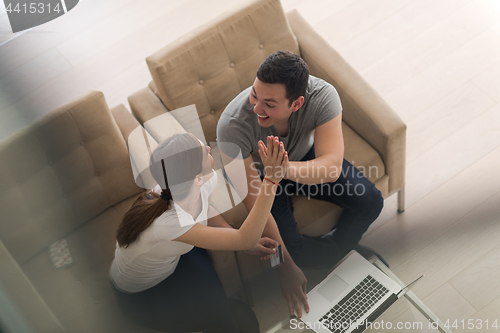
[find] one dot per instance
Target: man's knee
(374, 202)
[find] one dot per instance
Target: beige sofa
(66, 176)
(211, 65)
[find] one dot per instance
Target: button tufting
(261, 46)
(82, 143)
(96, 173)
(201, 82)
(212, 111)
(50, 162)
(231, 65)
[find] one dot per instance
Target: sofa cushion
(22, 306)
(212, 64)
(80, 296)
(68, 167)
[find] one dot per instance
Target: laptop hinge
(375, 314)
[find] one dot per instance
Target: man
(306, 114)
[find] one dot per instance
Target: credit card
(277, 257)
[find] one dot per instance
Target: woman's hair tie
(165, 196)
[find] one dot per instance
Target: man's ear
(297, 104)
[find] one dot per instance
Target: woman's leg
(191, 299)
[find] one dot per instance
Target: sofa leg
(401, 199)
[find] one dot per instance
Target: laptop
(351, 297)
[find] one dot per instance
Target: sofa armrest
(125, 120)
(33, 313)
(364, 110)
(145, 105)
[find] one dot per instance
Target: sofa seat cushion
(315, 217)
(80, 296)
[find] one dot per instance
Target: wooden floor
(436, 62)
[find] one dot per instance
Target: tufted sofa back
(60, 172)
(214, 63)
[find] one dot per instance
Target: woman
(162, 275)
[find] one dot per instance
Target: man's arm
(329, 151)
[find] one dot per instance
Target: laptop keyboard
(354, 305)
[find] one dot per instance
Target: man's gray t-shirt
(238, 123)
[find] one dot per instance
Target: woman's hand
(264, 248)
(274, 157)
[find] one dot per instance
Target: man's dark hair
(286, 68)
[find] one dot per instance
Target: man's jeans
(362, 203)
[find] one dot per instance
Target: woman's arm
(275, 160)
(243, 238)
(264, 247)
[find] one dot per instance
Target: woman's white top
(155, 254)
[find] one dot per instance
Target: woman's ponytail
(141, 215)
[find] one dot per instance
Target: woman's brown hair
(176, 161)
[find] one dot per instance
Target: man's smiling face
(271, 105)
